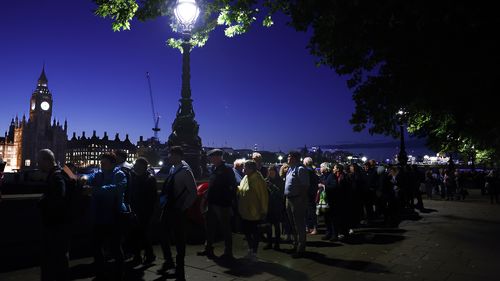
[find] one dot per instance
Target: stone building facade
(20, 145)
(86, 151)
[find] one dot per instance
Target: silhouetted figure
(323, 204)
(338, 188)
(53, 208)
(143, 202)
(257, 157)
(355, 195)
(450, 184)
(493, 183)
(312, 192)
(296, 186)
(368, 190)
(276, 209)
(221, 195)
(178, 194)
(128, 220)
(395, 183)
(107, 187)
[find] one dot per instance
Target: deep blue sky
(259, 88)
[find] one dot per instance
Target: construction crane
(156, 117)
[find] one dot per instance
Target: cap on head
(215, 152)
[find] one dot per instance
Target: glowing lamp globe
(186, 13)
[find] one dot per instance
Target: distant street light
(280, 158)
(364, 158)
(350, 159)
(160, 163)
(185, 128)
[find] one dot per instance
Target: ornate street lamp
(186, 13)
(185, 128)
(402, 155)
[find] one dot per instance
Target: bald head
(46, 160)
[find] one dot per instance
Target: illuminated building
(86, 151)
(25, 138)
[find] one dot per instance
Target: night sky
(259, 88)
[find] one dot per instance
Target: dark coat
(337, 193)
(222, 186)
(143, 195)
(276, 206)
(53, 203)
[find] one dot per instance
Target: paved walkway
(451, 241)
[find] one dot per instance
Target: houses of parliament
(28, 135)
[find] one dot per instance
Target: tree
(436, 59)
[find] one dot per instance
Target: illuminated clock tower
(41, 104)
(40, 131)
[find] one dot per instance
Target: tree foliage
(235, 17)
(436, 59)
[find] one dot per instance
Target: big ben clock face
(45, 105)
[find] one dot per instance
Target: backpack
(167, 198)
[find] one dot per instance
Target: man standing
(221, 193)
(312, 191)
(143, 202)
(296, 185)
(178, 194)
(257, 157)
(107, 203)
(53, 208)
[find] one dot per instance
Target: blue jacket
(107, 195)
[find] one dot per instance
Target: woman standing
(252, 206)
(276, 208)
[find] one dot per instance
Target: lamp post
(185, 128)
(280, 158)
(402, 155)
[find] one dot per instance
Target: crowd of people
(264, 203)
